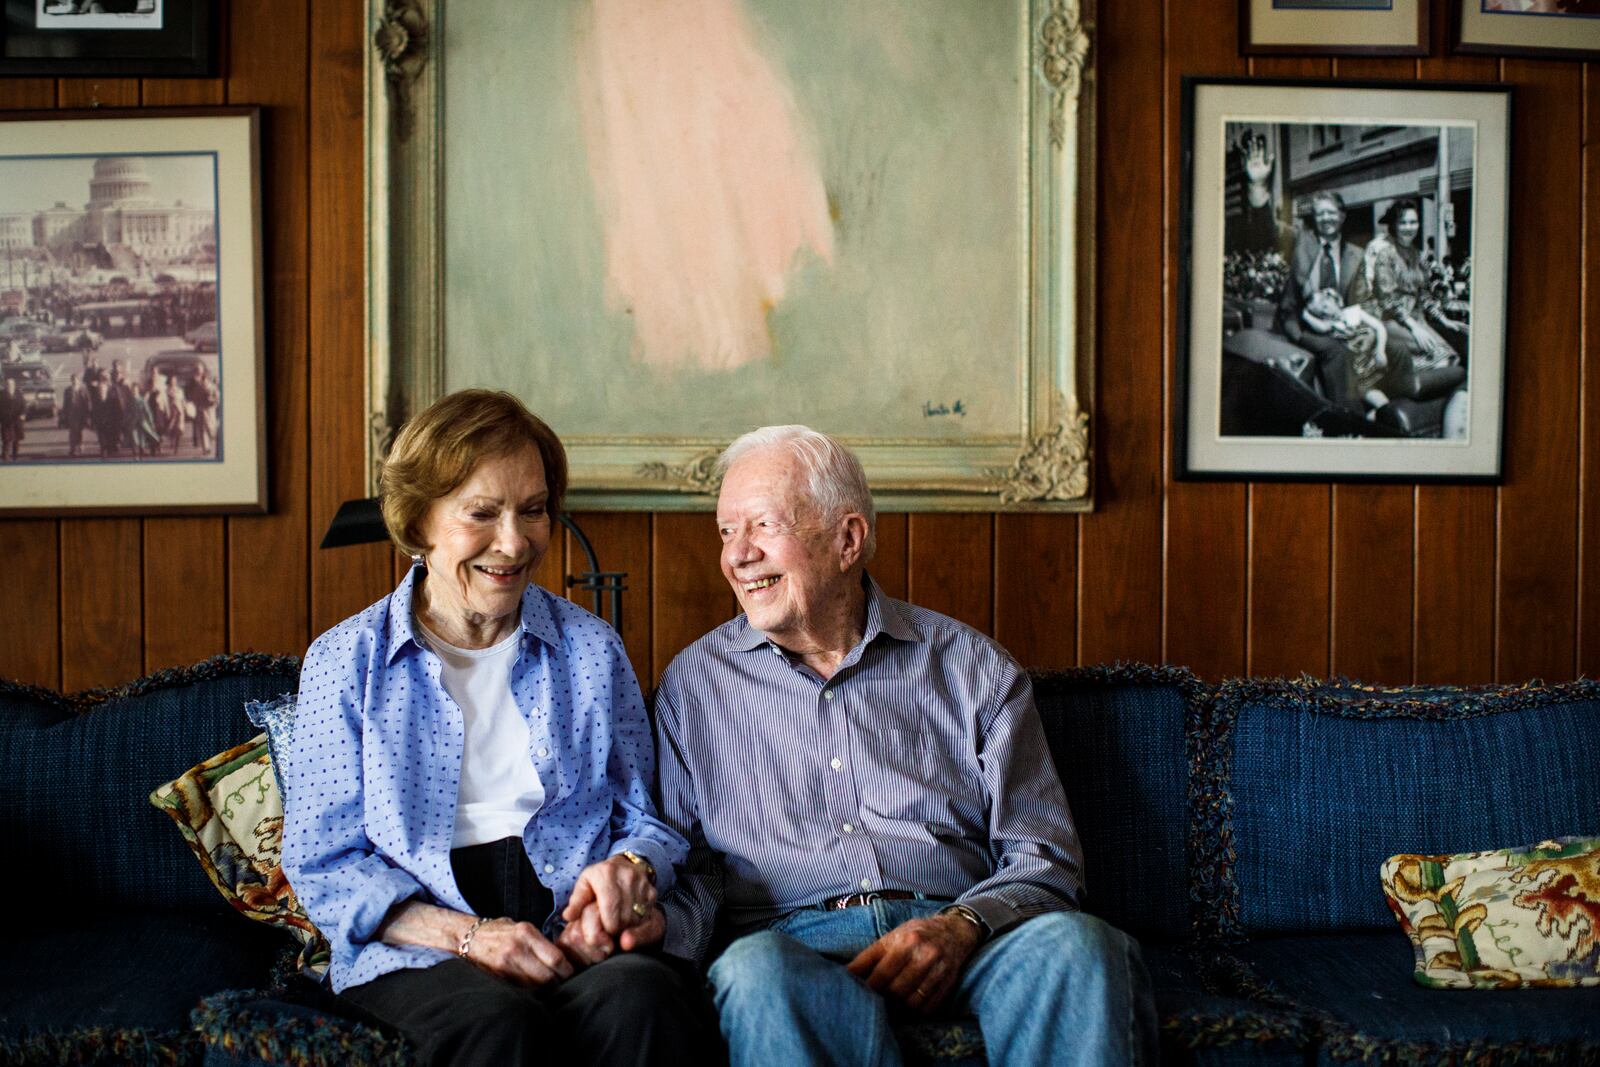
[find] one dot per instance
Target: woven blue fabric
(1363, 981)
(116, 969)
(1117, 737)
(74, 784)
(1327, 784)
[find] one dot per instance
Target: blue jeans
(1063, 988)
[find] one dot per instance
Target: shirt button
(836, 763)
(543, 752)
(549, 868)
(827, 694)
(848, 828)
(866, 883)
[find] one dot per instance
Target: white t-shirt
(500, 789)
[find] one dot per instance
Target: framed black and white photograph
(107, 38)
(130, 313)
(1342, 281)
(1552, 29)
(1334, 27)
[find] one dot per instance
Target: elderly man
(875, 817)
(1323, 259)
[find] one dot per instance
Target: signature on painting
(932, 410)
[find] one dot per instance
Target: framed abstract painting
(665, 225)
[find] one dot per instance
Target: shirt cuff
(996, 914)
(386, 887)
(658, 857)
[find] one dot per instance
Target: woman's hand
(620, 892)
(519, 953)
(515, 951)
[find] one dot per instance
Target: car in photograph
(203, 336)
(22, 330)
(35, 384)
(71, 341)
(183, 365)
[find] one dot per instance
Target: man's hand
(519, 953)
(918, 962)
(586, 942)
(1258, 164)
(619, 891)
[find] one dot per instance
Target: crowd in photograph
(118, 309)
(123, 419)
(129, 421)
(1250, 275)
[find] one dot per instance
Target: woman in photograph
(1401, 296)
(467, 816)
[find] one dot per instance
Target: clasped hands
(613, 904)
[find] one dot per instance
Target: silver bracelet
(466, 938)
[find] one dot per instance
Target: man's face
(785, 564)
(1328, 217)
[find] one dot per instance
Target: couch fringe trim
(224, 666)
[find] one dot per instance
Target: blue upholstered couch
(1237, 831)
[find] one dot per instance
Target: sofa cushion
(75, 772)
(126, 969)
(1205, 1022)
(229, 812)
(1508, 917)
(1308, 788)
(296, 1023)
(1117, 737)
(1358, 990)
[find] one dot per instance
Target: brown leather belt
(855, 900)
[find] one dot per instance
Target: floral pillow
(1511, 917)
(230, 812)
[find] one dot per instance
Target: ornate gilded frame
(1045, 466)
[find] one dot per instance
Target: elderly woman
(467, 813)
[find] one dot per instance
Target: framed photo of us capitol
(1342, 293)
(131, 375)
(663, 225)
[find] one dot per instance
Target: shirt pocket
(916, 776)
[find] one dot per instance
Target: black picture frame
(1308, 28)
(1489, 33)
(183, 47)
(1253, 405)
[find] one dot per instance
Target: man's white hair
(831, 474)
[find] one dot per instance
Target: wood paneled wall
(1385, 583)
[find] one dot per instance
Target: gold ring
(639, 909)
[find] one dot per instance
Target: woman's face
(487, 537)
(1406, 227)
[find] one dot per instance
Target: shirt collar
(537, 619)
(883, 617)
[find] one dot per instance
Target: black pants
(1334, 367)
(635, 1008)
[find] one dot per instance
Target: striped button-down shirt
(920, 765)
(373, 771)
